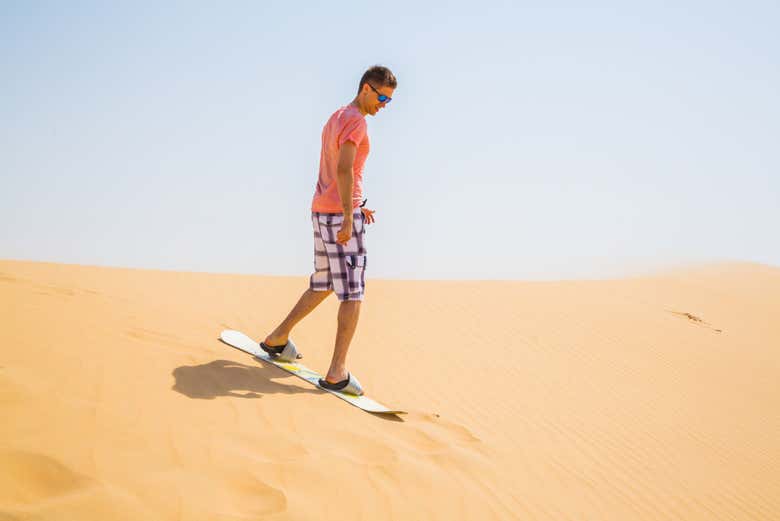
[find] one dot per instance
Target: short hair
(378, 76)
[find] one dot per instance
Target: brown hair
(378, 76)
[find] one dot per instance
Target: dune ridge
(650, 397)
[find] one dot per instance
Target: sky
(534, 141)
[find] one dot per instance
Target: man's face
(371, 94)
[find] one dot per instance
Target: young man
(339, 220)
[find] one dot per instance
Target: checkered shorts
(336, 267)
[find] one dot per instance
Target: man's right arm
(345, 180)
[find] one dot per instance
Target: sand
(653, 397)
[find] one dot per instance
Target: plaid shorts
(336, 267)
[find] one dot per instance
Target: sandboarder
(338, 219)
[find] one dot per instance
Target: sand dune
(652, 397)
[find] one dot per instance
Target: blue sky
(525, 140)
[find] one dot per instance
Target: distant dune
(651, 397)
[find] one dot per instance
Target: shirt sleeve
(354, 130)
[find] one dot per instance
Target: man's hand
(345, 233)
(368, 214)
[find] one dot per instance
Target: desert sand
(653, 397)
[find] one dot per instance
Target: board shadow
(234, 379)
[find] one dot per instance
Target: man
(339, 219)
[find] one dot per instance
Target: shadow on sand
(228, 378)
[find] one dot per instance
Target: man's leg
(306, 304)
(349, 312)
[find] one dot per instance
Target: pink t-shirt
(346, 124)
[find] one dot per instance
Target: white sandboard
(240, 341)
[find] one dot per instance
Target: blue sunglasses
(381, 97)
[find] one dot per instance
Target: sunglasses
(381, 97)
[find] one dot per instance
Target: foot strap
(348, 386)
(286, 353)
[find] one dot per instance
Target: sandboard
(240, 341)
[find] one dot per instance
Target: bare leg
(306, 304)
(349, 312)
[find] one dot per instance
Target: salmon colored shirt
(346, 124)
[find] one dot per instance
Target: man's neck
(357, 106)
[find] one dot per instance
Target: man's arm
(345, 181)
